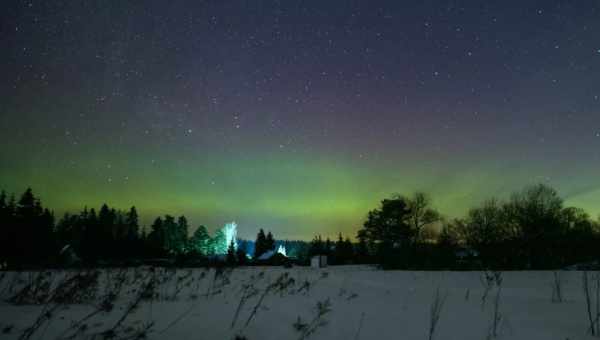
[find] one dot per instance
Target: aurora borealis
(297, 116)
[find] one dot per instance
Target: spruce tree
(241, 254)
(4, 232)
(316, 246)
(46, 222)
(338, 253)
(348, 251)
(25, 239)
(260, 246)
(133, 226)
(231, 255)
(219, 243)
(182, 233)
(104, 232)
(200, 241)
(2, 201)
(269, 242)
(171, 234)
(12, 226)
(156, 237)
(327, 247)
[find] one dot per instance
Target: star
(316, 92)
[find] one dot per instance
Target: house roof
(267, 255)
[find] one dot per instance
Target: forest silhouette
(532, 229)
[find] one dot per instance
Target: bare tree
(420, 214)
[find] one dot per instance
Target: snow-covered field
(346, 302)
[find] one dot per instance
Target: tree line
(30, 235)
(532, 229)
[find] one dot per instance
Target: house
(467, 258)
(266, 255)
(465, 253)
(273, 258)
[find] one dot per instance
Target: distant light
(230, 231)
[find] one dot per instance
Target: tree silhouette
(7, 241)
(388, 225)
(157, 237)
(535, 215)
(362, 248)
(131, 244)
(269, 242)
(34, 230)
(260, 246)
(182, 235)
(231, 254)
(530, 230)
(420, 214)
(344, 251)
(200, 241)
(241, 254)
(219, 242)
(133, 227)
(486, 226)
(388, 230)
(316, 246)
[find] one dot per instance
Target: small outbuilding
(318, 261)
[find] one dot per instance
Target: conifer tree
(171, 234)
(133, 226)
(182, 233)
(200, 241)
(156, 237)
(270, 242)
(231, 255)
(4, 228)
(241, 254)
(219, 243)
(260, 246)
(338, 253)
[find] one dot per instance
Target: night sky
(297, 116)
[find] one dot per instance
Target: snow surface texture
(345, 302)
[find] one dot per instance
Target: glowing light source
(230, 231)
(281, 250)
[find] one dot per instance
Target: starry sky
(297, 116)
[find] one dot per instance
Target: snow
(364, 303)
